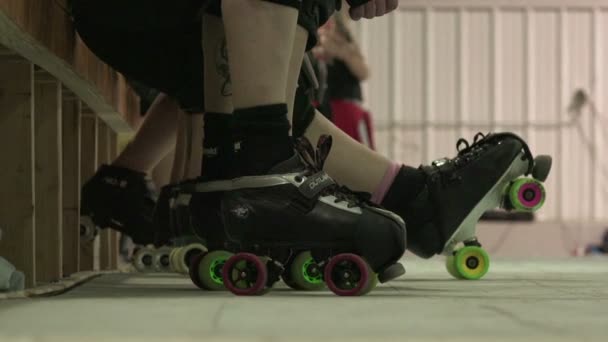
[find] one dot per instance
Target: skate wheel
(305, 273)
(210, 270)
(526, 194)
(542, 167)
(88, 229)
(185, 256)
(172, 259)
(348, 275)
(143, 260)
(450, 266)
(161, 260)
(245, 274)
(469, 262)
(193, 271)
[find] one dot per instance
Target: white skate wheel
(161, 260)
(143, 260)
(186, 255)
(88, 229)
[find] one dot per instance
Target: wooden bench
(61, 109)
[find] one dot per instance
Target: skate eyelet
(299, 179)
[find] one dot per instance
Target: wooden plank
(17, 212)
(71, 184)
(48, 167)
(42, 32)
(88, 166)
(103, 156)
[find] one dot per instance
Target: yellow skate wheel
(471, 262)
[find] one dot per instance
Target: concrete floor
(519, 299)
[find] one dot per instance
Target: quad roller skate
(120, 199)
(204, 266)
(490, 173)
(172, 234)
(296, 223)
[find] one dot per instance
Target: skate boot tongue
(293, 164)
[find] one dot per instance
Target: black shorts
(155, 42)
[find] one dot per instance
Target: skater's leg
(347, 157)
(258, 33)
(154, 139)
(194, 145)
(295, 65)
(179, 161)
(219, 143)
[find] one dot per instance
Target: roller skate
(120, 199)
(173, 246)
(485, 175)
(295, 215)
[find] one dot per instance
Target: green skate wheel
(450, 266)
(305, 273)
(210, 270)
(526, 194)
(471, 263)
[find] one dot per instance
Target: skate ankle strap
(313, 185)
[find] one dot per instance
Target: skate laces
(314, 159)
(468, 152)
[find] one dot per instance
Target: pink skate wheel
(530, 195)
(244, 274)
(347, 274)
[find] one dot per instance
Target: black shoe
(120, 199)
(459, 190)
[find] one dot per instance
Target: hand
(332, 44)
(373, 8)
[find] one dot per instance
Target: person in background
(341, 68)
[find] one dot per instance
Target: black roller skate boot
(120, 199)
(172, 229)
(456, 192)
(270, 220)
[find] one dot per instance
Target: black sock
(262, 137)
(406, 187)
(218, 147)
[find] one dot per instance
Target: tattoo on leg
(223, 69)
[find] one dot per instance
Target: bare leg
(346, 153)
(349, 162)
(154, 139)
(259, 37)
(257, 33)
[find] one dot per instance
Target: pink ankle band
(385, 184)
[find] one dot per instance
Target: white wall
(444, 69)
